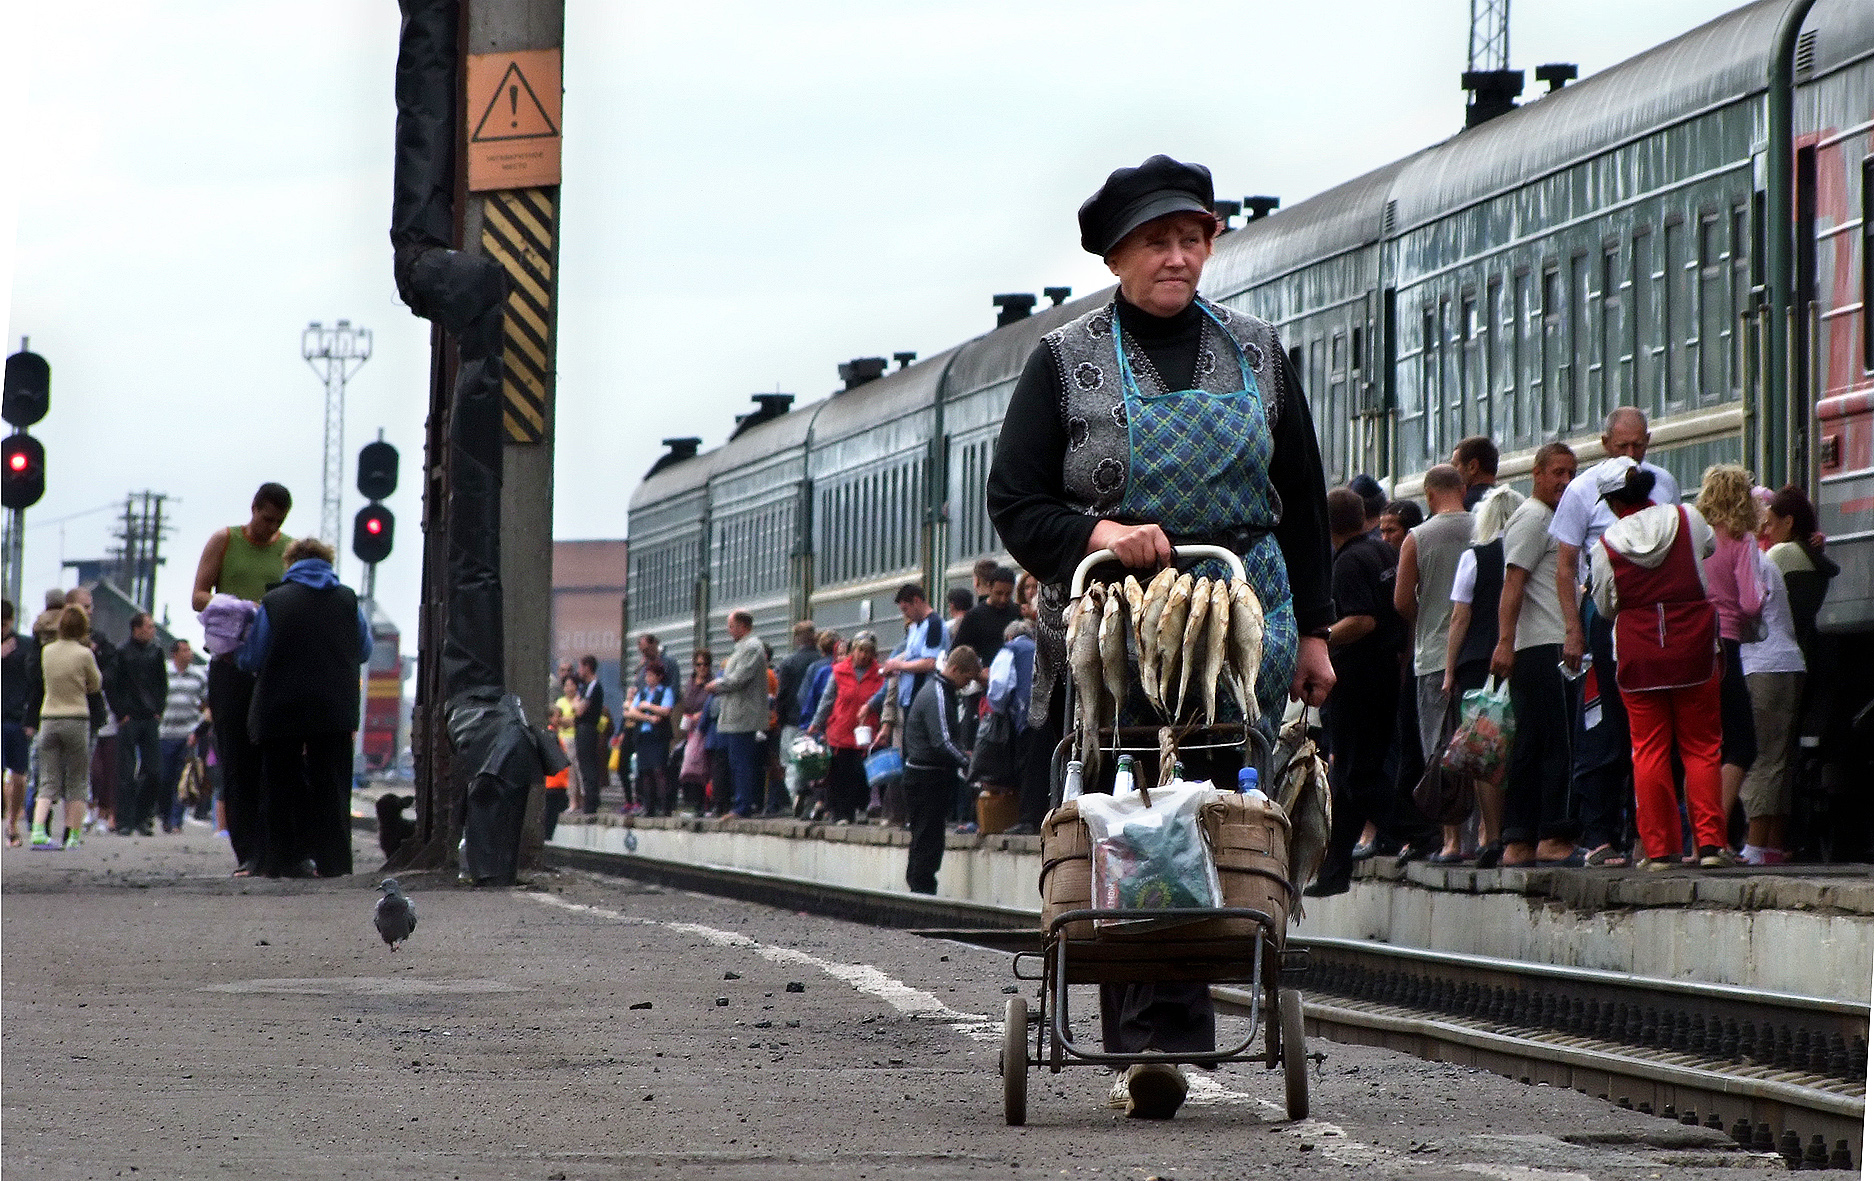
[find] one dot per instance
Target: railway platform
(161, 1019)
(1797, 929)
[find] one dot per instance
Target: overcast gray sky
(752, 194)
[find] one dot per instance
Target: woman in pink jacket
(1727, 503)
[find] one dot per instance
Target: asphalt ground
(162, 1020)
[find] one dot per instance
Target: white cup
(862, 735)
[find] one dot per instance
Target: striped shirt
(182, 711)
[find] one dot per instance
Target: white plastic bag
(1150, 853)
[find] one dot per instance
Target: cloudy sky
(752, 194)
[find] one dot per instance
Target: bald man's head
(1625, 433)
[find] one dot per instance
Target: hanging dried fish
(1191, 647)
(1216, 645)
(1113, 649)
(1171, 639)
(1157, 593)
(1245, 651)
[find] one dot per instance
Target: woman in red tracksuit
(1649, 579)
(844, 706)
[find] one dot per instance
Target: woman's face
(1392, 531)
(699, 668)
(569, 687)
(1776, 527)
(1159, 263)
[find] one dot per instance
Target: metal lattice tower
(335, 354)
(1490, 35)
(138, 556)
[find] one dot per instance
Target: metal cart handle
(1079, 583)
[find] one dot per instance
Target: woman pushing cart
(1159, 420)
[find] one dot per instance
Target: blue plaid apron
(1199, 467)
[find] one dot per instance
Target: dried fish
(1157, 593)
(1216, 645)
(1311, 818)
(1084, 661)
(1245, 650)
(1171, 638)
(1113, 648)
(1191, 647)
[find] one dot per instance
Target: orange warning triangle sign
(514, 112)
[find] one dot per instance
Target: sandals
(13, 837)
(1606, 857)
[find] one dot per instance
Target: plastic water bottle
(1247, 783)
(1071, 789)
(1122, 779)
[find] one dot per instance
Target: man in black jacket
(137, 695)
(304, 649)
(790, 677)
(15, 653)
(935, 756)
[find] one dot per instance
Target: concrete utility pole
(335, 354)
(511, 213)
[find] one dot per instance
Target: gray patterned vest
(1093, 411)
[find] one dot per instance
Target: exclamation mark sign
(514, 106)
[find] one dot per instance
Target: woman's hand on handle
(1141, 547)
(1314, 672)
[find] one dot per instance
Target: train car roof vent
(767, 408)
(904, 359)
(1805, 53)
(680, 450)
(1493, 93)
(860, 370)
(1225, 211)
(1390, 221)
(1058, 295)
(1012, 309)
(1261, 207)
(1557, 74)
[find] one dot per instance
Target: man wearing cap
(1162, 418)
(1603, 755)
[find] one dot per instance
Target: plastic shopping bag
(1480, 748)
(1150, 852)
(811, 758)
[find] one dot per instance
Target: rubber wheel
(1271, 1031)
(1294, 1053)
(1015, 1062)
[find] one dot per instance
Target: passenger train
(1602, 244)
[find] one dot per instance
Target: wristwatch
(1319, 633)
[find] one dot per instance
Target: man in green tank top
(243, 561)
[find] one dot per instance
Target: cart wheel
(1294, 1053)
(1015, 1062)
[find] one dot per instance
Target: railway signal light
(372, 532)
(22, 471)
(28, 390)
(377, 470)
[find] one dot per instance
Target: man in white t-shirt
(1603, 748)
(1536, 823)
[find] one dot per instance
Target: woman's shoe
(1715, 857)
(1658, 864)
(1606, 857)
(1443, 858)
(1490, 856)
(1364, 850)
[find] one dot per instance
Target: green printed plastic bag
(1480, 748)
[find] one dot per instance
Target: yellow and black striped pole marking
(517, 229)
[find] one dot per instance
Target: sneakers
(1715, 857)
(73, 838)
(1657, 864)
(41, 839)
(1154, 1091)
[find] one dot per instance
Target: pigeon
(396, 914)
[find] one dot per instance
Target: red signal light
(374, 525)
(18, 461)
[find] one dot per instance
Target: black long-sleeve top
(1048, 535)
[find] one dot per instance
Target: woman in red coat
(842, 712)
(1649, 579)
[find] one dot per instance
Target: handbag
(1444, 796)
(695, 767)
(99, 710)
(993, 760)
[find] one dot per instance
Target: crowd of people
(120, 736)
(1654, 655)
(799, 733)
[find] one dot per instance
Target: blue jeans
(745, 765)
(175, 758)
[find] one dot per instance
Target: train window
(1715, 313)
(1616, 366)
(1740, 289)
(1471, 388)
(1676, 265)
(1359, 358)
(1867, 257)
(1552, 404)
(1449, 417)
(1643, 323)
(1337, 353)
(1580, 341)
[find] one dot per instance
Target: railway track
(1778, 1072)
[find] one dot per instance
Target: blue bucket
(883, 767)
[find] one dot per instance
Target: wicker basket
(1249, 841)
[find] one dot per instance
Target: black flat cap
(1133, 196)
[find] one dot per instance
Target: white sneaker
(1155, 1091)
